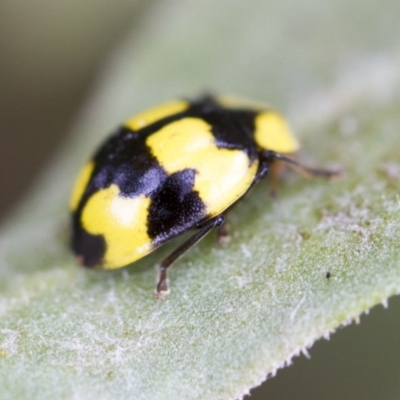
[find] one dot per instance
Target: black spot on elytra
(89, 249)
(127, 162)
(174, 207)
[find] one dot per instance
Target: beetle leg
(262, 171)
(276, 170)
(162, 285)
(223, 236)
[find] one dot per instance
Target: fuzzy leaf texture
(236, 313)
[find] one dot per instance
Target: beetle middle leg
(162, 285)
(223, 235)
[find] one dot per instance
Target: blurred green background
(51, 53)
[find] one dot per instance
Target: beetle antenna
(305, 170)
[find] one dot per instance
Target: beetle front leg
(162, 285)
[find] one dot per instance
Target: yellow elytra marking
(122, 222)
(155, 114)
(273, 133)
(80, 185)
(223, 175)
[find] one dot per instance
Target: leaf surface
(239, 312)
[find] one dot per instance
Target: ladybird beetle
(173, 168)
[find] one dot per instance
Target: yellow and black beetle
(173, 168)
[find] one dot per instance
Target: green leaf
(235, 313)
